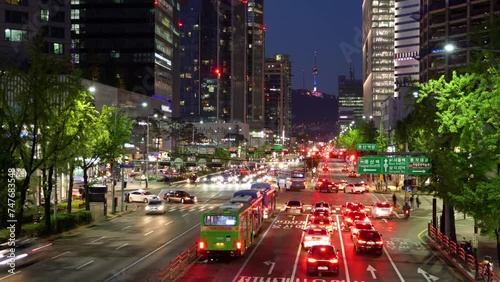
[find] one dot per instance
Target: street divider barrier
(174, 269)
(466, 262)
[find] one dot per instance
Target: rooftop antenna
(351, 70)
(315, 73)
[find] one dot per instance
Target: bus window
(219, 220)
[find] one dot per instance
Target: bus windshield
(219, 220)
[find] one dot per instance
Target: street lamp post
(147, 151)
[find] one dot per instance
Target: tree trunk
(86, 187)
(70, 186)
(22, 200)
(47, 189)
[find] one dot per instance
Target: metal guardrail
(467, 261)
(172, 270)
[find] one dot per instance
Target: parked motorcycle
(467, 246)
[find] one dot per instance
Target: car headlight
(160, 207)
(148, 208)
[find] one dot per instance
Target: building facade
(350, 94)
(22, 20)
(378, 55)
(452, 22)
(278, 98)
(131, 45)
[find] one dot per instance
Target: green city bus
(230, 229)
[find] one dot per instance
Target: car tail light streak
(379, 242)
(308, 237)
(201, 245)
(311, 260)
(349, 219)
(238, 245)
(362, 241)
(334, 260)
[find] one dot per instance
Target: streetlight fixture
(147, 150)
(450, 48)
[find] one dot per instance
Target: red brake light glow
(334, 260)
(201, 245)
(311, 260)
(238, 245)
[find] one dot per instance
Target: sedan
(368, 241)
(141, 196)
(179, 196)
(294, 207)
(322, 258)
(325, 185)
(382, 209)
(155, 206)
(25, 252)
(315, 237)
(351, 217)
(360, 225)
(322, 222)
(352, 174)
(355, 188)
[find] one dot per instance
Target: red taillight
(379, 242)
(201, 245)
(349, 219)
(362, 241)
(308, 238)
(319, 182)
(311, 260)
(238, 245)
(334, 260)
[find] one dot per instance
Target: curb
(457, 265)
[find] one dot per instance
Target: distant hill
(316, 116)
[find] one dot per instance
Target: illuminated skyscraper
(378, 55)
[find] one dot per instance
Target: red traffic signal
(352, 157)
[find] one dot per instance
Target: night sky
(332, 28)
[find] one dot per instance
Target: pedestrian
(411, 201)
(394, 199)
(418, 202)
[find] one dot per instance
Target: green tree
(350, 139)
(382, 141)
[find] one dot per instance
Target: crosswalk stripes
(190, 208)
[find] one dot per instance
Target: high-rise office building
(222, 54)
(406, 43)
(131, 45)
(350, 91)
(453, 22)
(378, 55)
(278, 95)
(22, 20)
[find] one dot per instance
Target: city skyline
(333, 31)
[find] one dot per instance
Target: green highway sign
(394, 165)
(366, 147)
(370, 165)
(418, 166)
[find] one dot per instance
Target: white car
(142, 196)
(354, 188)
(321, 206)
(315, 237)
(382, 209)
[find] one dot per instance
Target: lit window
(16, 35)
(44, 15)
(58, 48)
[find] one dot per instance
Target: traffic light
(352, 157)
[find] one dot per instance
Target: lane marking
(5, 277)
(344, 258)
(292, 278)
(146, 234)
(253, 251)
(126, 227)
(185, 214)
(168, 222)
(54, 257)
(150, 254)
(85, 264)
(98, 239)
(394, 265)
(212, 197)
(122, 246)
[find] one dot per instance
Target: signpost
(394, 165)
(366, 147)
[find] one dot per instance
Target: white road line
(212, 197)
(255, 249)
(122, 246)
(85, 264)
(292, 278)
(344, 258)
(168, 222)
(150, 254)
(5, 277)
(394, 265)
(185, 214)
(54, 257)
(126, 227)
(146, 234)
(98, 239)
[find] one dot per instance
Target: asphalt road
(278, 255)
(127, 248)
(133, 247)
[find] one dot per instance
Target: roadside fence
(174, 269)
(455, 252)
